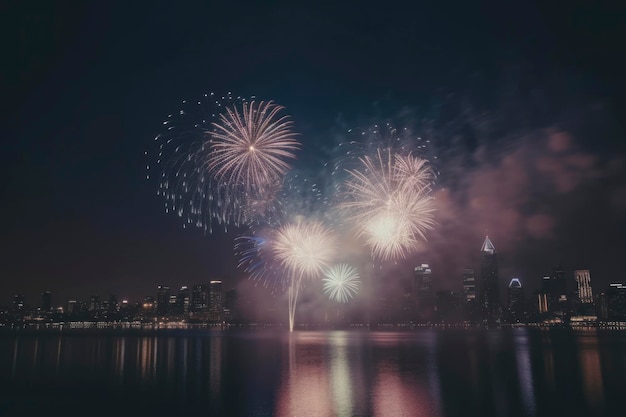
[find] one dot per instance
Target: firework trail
(287, 255)
(341, 282)
(221, 161)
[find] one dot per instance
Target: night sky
(523, 104)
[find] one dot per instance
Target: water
(430, 372)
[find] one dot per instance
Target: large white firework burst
(388, 197)
(250, 146)
(304, 248)
(341, 282)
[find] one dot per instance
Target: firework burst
(249, 147)
(341, 282)
(288, 255)
(221, 161)
(387, 197)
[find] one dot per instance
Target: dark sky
(86, 85)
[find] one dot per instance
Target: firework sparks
(387, 197)
(288, 254)
(304, 249)
(341, 282)
(249, 148)
(222, 160)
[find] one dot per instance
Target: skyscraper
(215, 301)
(423, 295)
(490, 289)
(163, 300)
(515, 304)
(469, 285)
(583, 286)
(183, 300)
(199, 299)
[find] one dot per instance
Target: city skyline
(482, 301)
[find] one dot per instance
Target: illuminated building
(172, 308)
(542, 302)
(515, 304)
(471, 305)
(583, 286)
(183, 300)
(490, 290)
(215, 301)
(423, 293)
(469, 285)
(199, 299)
(230, 305)
(555, 287)
(163, 300)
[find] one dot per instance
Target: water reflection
(548, 359)
(306, 390)
(342, 373)
(591, 370)
(215, 367)
(524, 370)
(341, 383)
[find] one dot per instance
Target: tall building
(215, 301)
(490, 288)
(469, 285)
(515, 300)
(46, 301)
(73, 307)
(172, 308)
(583, 286)
(200, 299)
(183, 300)
(554, 287)
(423, 295)
(163, 300)
(616, 302)
(230, 305)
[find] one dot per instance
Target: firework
(249, 148)
(387, 196)
(304, 249)
(221, 160)
(287, 255)
(341, 282)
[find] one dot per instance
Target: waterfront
(426, 372)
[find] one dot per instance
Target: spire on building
(488, 246)
(515, 283)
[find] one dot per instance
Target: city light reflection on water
(519, 372)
